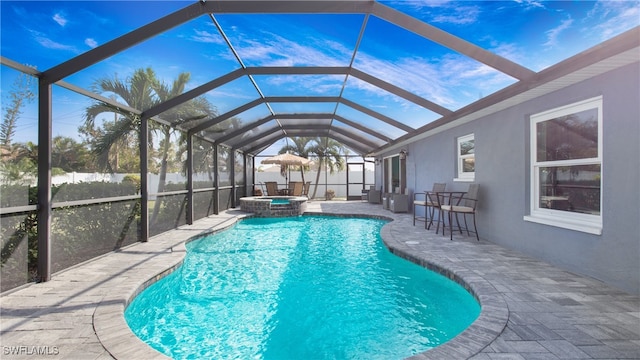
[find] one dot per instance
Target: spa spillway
(274, 206)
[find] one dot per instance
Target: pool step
(290, 209)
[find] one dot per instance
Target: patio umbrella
(287, 159)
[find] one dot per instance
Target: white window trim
(462, 176)
(587, 223)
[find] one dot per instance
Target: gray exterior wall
(502, 170)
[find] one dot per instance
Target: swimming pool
(303, 287)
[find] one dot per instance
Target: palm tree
(135, 92)
(203, 150)
(143, 91)
(302, 146)
(330, 153)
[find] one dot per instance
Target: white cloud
(412, 74)
(207, 37)
(509, 51)
(554, 34)
(618, 17)
(531, 3)
(443, 82)
(460, 15)
(50, 44)
(46, 42)
(60, 19)
(275, 50)
(218, 94)
(90, 42)
(441, 11)
(321, 84)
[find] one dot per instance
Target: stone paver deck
(530, 309)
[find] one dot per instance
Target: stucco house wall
(503, 172)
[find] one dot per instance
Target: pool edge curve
(117, 338)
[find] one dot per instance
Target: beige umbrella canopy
(287, 159)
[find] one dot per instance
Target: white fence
(336, 181)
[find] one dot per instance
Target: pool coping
(494, 312)
(117, 338)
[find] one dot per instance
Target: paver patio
(530, 309)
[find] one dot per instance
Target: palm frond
(102, 145)
(93, 110)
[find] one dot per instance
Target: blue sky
(534, 34)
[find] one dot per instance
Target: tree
(69, 155)
(143, 91)
(125, 154)
(202, 158)
(135, 92)
(20, 95)
(326, 150)
(203, 150)
(20, 165)
(301, 146)
(330, 154)
(17, 164)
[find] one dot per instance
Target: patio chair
(464, 204)
(430, 201)
(296, 188)
(289, 189)
(305, 189)
(272, 188)
(399, 202)
(374, 195)
(365, 195)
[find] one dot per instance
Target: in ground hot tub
(274, 206)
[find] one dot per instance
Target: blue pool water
(309, 287)
(278, 201)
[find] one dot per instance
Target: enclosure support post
(248, 187)
(189, 178)
(232, 177)
(216, 182)
(44, 180)
(144, 179)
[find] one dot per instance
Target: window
(566, 164)
(466, 155)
